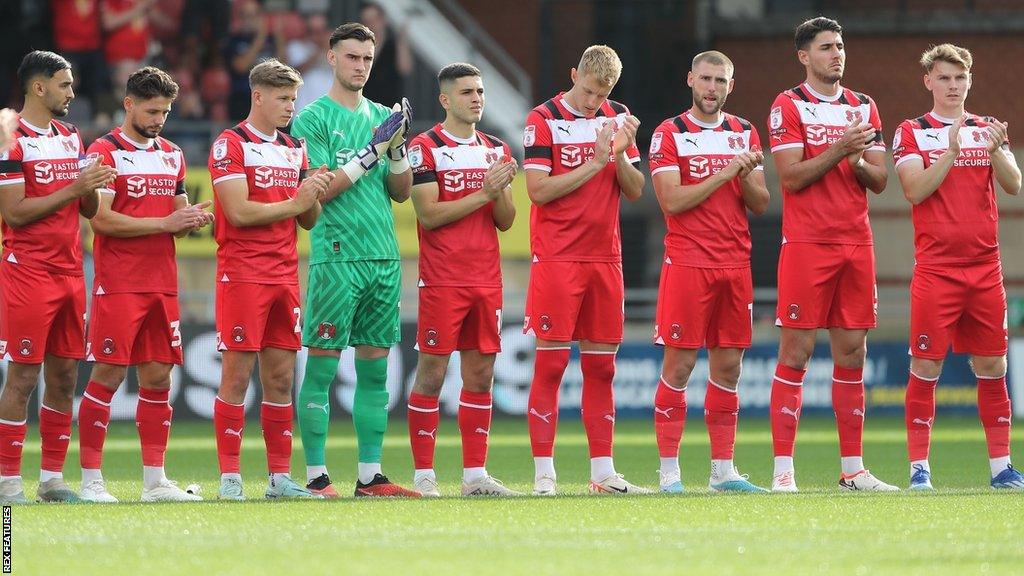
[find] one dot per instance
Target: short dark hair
(806, 32)
(40, 63)
(151, 82)
(352, 30)
(453, 72)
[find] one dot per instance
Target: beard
(147, 132)
(715, 108)
(829, 77)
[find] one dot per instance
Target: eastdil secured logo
(455, 181)
(571, 156)
(700, 167)
(263, 176)
(43, 172)
(817, 134)
(135, 186)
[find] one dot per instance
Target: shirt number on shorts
(298, 319)
(176, 334)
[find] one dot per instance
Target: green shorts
(353, 304)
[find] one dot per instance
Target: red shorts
(251, 317)
(704, 307)
(965, 305)
(459, 318)
(128, 329)
(569, 301)
(827, 286)
(41, 313)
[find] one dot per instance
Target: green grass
(962, 528)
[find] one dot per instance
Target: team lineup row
(343, 162)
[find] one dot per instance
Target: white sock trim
(990, 377)
(605, 352)
(861, 381)
(97, 400)
(478, 406)
(669, 386)
(288, 405)
(720, 387)
(554, 348)
(936, 379)
(219, 399)
(141, 399)
(45, 407)
(13, 423)
(784, 381)
(424, 410)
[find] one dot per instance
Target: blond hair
(946, 53)
(715, 58)
(602, 62)
(272, 73)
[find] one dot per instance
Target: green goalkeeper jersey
(358, 223)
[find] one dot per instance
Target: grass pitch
(962, 528)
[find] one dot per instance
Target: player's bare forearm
(89, 204)
(631, 179)
(504, 213)
(400, 185)
(675, 198)
(755, 193)
(542, 187)
(871, 172)
(111, 223)
(18, 210)
(795, 174)
(1006, 171)
(308, 218)
(433, 214)
(918, 182)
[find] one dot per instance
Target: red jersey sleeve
(785, 130)
(904, 144)
(537, 142)
(101, 151)
(11, 171)
(180, 188)
(663, 155)
(876, 121)
(422, 161)
(755, 144)
(227, 160)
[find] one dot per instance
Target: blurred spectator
(308, 54)
(78, 37)
(253, 40)
(8, 125)
(126, 29)
(392, 61)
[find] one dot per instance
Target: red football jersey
(45, 160)
(715, 233)
(464, 252)
(149, 176)
(959, 222)
(131, 40)
(834, 209)
(583, 225)
(77, 28)
(272, 166)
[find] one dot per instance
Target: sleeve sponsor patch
(220, 149)
(530, 136)
(416, 156)
(776, 118)
(656, 142)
